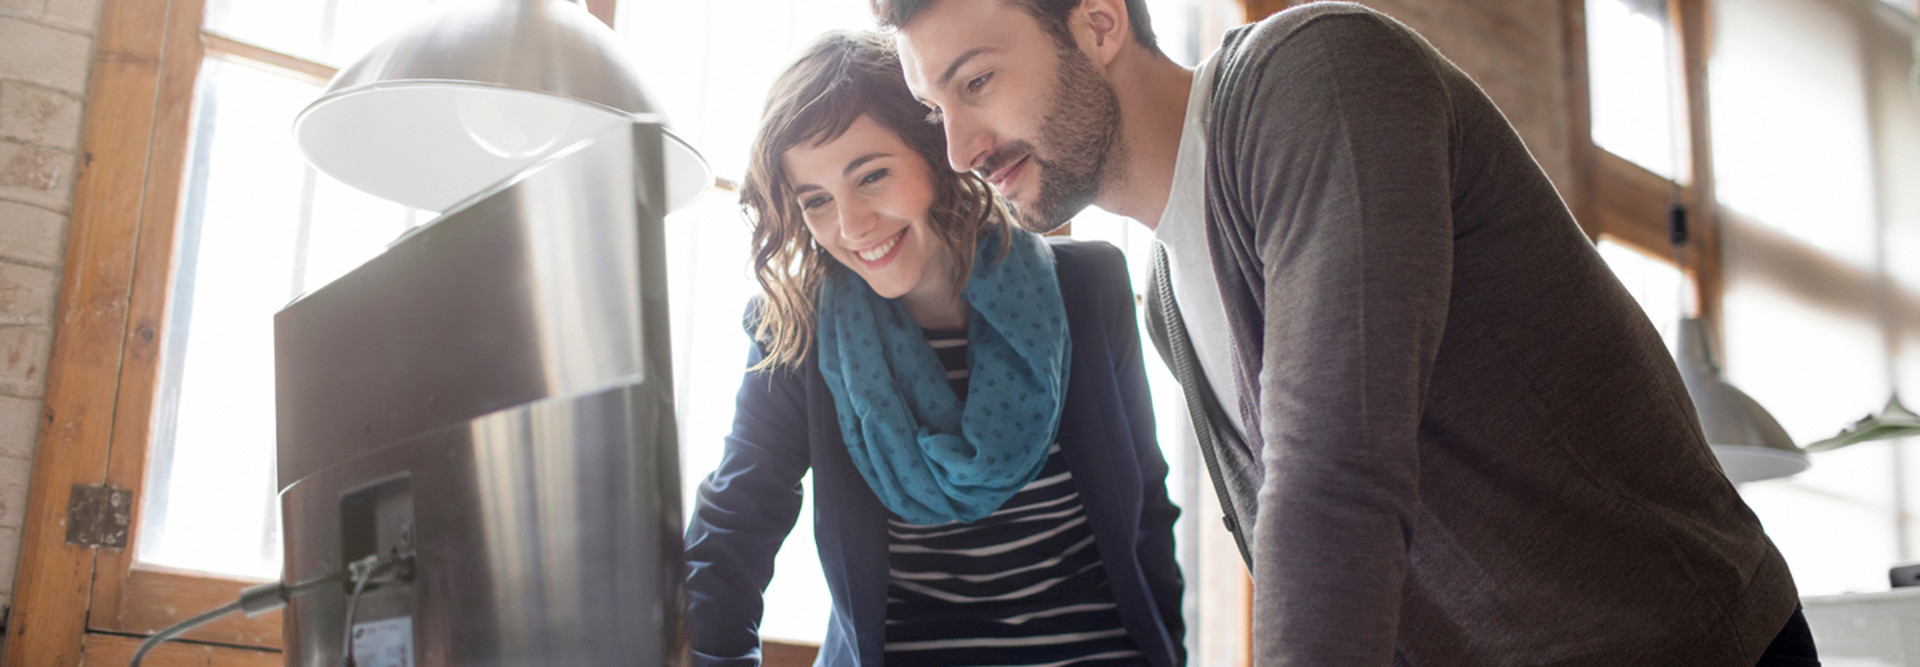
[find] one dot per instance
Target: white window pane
(251, 238)
(1791, 144)
(1816, 371)
(1629, 75)
(210, 501)
(348, 228)
(326, 31)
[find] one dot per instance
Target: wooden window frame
(1629, 204)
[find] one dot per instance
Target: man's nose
(968, 144)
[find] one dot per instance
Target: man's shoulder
(1317, 27)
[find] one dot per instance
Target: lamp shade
(1748, 442)
(473, 93)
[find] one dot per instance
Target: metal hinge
(98, 516)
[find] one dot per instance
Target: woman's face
(865, 197)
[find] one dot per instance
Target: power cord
(274, 595)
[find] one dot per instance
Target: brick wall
(1516, 51)
(46, 49)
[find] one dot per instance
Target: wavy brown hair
(841, 76)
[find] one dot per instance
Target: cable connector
(395, 566)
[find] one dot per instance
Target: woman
(987, 485)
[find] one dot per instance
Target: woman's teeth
(880, 251)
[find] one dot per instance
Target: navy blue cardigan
(784, 424)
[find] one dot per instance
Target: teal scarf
(930, 459)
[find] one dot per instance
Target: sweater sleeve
(743, 512)
(1343, 169)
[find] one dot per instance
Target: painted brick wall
(46, 49)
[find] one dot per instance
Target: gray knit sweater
(1469, 445)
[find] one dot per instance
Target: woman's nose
(857, 220)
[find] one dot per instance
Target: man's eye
(974, 84)
(873, 177)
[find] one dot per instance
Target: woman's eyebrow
(855, 164)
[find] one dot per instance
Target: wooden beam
(1260, 9)
(1580, 196)
(1631, 204)
(294, 66)
(603, 10)
(783, 654)
(117, 651)
(1694, 25)
(167, 164)
(153, 600)
(55, 579)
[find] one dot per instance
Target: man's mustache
(1001, 158)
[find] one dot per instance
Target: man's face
(1036, 120)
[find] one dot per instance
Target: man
(1442, 431)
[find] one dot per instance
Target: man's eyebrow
(962, 60)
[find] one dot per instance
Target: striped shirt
(1022, 586)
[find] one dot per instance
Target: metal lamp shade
(1748, 442)
(473, 93)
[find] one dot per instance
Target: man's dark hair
(1052, 15)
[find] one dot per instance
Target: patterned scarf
(928, 457)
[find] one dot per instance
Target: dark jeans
(1793, 647)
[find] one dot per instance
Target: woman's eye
(814, 203)
(873, 177)
(974, 84)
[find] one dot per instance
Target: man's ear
(1101, 28)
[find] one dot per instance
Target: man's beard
(1082, 146)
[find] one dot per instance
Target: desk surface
(1880, 629)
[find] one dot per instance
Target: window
(258, 228)
(1814, 115)
(1630, 61)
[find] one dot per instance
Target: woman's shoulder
(1094, 283)
(1093, 262)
